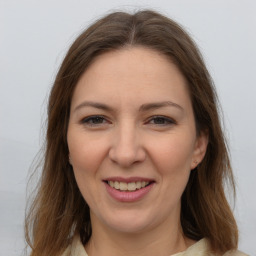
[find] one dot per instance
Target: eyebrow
(94, 105)
(156, 105)
(143, 108)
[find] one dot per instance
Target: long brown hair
(59, 210)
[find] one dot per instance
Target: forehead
(129, 72)
(137, 59)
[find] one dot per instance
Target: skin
(128, 140)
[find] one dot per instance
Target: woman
(135, 160)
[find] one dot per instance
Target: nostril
(125, 157)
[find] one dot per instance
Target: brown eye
(161, 120)
(94, 120)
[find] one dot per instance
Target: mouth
(128, 189)
(128, 186)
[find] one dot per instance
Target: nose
(126, 147)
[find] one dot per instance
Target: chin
(128, 223)
(130, 228)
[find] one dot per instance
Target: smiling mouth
(128, 186)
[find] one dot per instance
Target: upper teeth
(131, 186)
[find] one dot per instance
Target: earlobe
(200, 149)
(69, 159)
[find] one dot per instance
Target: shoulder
(235, 253)
(76, 248)
(202, 248)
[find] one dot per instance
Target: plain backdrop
(34, 37)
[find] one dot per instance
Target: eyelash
(167, 121)
(90, 120)
(99, 120)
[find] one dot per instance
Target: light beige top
(200, 248)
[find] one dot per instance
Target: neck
(161, 240)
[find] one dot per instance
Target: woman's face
(132, 140)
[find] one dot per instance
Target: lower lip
(128, 196)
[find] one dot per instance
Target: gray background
(35, 35)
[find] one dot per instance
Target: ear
(70, 160)
(200, 149)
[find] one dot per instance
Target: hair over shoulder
(59, 211)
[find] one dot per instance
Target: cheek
(86, 153)
(172, 155)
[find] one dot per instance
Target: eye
(161, 120)
(94, 121)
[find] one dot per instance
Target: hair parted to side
(59, 210)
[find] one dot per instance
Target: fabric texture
(200, 248)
